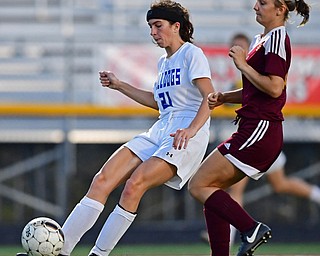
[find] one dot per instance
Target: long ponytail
(299, 6)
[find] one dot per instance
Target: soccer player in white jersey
(171, 151)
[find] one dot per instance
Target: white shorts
(158, 142)
(278, 164)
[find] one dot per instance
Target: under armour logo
(169, 154)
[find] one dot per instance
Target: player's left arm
(269, 84)
(182, 136)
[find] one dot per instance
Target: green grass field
(189, 249)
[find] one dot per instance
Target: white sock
(114, 228)
(233, 232)
(315, 194)
(80, 220)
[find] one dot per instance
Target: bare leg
(149, 174)
(288, 185)
(114, 172)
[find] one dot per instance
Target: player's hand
(181, 138)
(215, 99)
(108, 79)
(238, 54)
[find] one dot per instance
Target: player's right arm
(146, 98)
(216, 99)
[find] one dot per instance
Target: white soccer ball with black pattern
(42, 237)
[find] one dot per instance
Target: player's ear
(281, 10)
(176, 27)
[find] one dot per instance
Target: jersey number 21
(165, 99)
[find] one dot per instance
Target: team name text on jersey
(168, 78)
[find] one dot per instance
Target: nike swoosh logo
(253, 237)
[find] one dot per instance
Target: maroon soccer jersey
(259, 138)
(268, 55)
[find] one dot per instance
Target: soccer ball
(42, 237)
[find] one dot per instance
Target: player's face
(267, 14)
(162, 32)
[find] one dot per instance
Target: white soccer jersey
(179, 101)
(174, 90)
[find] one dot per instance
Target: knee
(132, 189)
(100, 184)
(279, 188)
(199, 193)
(194, 190)
(99, 180)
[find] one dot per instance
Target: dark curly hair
(186, 27)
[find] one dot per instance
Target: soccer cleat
(92, 254)
(252, 239)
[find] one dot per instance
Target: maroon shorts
(254, 147)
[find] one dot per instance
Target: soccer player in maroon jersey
(258, 141)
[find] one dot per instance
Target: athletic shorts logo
(169, 154)
(227, 145)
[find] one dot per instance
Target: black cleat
(252, 239)
(92, 254)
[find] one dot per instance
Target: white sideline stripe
(79, 136)
(102, 136)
